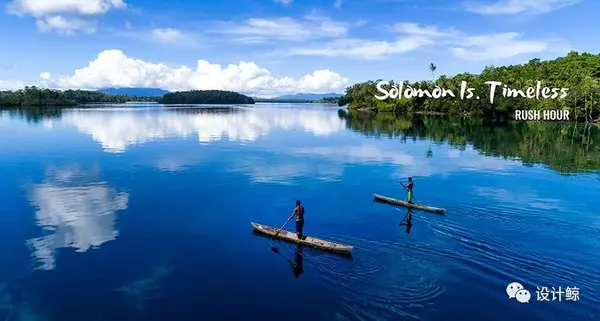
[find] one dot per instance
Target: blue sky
(269, 47)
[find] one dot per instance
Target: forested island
(34, 96)
(43, 97)
(578, 74)
(205, 97)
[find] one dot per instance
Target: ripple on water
(384, 280)
(502, 252)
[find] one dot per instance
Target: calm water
(144, 214)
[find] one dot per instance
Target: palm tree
(432, 68)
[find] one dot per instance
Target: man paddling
(299, 214)
(409, 189)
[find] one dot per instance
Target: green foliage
(328, 100)
(580, 73)
(566, 148)
(40, 97)
(34, 96)
(206, 97)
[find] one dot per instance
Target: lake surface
(144, 214)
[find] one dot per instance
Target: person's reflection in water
(407, 221)
(298, 261)
(297, 264)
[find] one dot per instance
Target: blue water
(144, 214)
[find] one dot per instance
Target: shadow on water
(297, 264)
(407, 221)
(564, 147)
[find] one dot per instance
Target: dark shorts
(299, 226)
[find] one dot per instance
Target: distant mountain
(307, 96)
(140, 92)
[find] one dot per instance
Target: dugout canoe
(307, 240)
(393, 201)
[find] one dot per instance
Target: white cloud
(64, 25)
(496, 47)
(50, 14)
(115, 131)
(39, 8)
(286, 2)
(412, 36)
(258, 30)
(112, 68)
(477, 47)
(78, 209)
(45, 75)
(338, 3)
(169, 36)
(507, 7)
(11, 84)
(362, 49)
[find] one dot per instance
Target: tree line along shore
(569, 83)
(41, 97)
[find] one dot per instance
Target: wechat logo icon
(515, 290)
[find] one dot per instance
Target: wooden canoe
(393, 201)
(307, 240)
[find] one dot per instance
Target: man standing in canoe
(299, 214)
(409, 189)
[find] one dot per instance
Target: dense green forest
(206, 97)
(566, 148)
(579, 73)
(34, 96)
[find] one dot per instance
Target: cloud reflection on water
(118, 130)
(519, 198)
(79, 211)
(409, 162)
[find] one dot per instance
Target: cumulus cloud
(38, 8)
(116, 131)
(45, 75)
(50, 14)
(67, 26)
(412, 36)
(259, 30)
(112, 68)
(507, 7)
(169, 36)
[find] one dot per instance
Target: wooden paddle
(281, 228)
